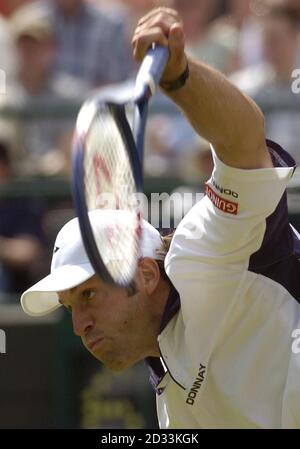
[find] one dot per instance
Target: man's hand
(162, 26)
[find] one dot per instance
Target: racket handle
(151, 70)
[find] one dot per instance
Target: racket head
(106, 174)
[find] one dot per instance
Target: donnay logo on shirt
(196, 385)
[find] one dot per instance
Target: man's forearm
(222, 114)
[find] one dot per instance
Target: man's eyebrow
(70, 290)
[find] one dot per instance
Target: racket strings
(109, 184)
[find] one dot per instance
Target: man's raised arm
(217, 110)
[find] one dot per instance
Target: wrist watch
(170, 86)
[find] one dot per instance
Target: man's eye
(88, 294)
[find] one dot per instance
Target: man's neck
(161, 300)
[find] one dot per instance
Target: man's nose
(82, 321)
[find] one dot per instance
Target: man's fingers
(142, 41)
(157, 22)
(161, 26)
(161, 13)
(176, 41)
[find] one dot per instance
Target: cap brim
(42, 298)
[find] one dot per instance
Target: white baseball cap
(70, 265)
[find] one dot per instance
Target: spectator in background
(129, 11)
(241, 20)
(8, 7)
(34, 99)
(22, 239)
(137, 8)
(270, 83)
(174, 149)
(7, 47)
(7, 51)
(92, 45)
(207, 42)
(294, 5)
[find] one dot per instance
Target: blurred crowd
(54, 53)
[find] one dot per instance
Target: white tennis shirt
(226, 339)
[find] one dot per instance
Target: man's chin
(116, 366)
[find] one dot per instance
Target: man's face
(117, 329)
(38, 53)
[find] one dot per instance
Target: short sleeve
(228, 225)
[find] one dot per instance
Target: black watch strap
(169, 86)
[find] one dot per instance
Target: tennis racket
(107, 172)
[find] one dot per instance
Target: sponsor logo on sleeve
(223, 190)
(229, 207)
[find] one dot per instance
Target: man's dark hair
(167, 239)
(132, 288)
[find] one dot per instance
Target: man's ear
(150, 274)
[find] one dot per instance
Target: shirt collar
(154, 364)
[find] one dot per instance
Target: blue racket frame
(149, 75)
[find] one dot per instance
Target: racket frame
(148, 77)
(78, 182)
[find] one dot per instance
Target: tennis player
(215, 323)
